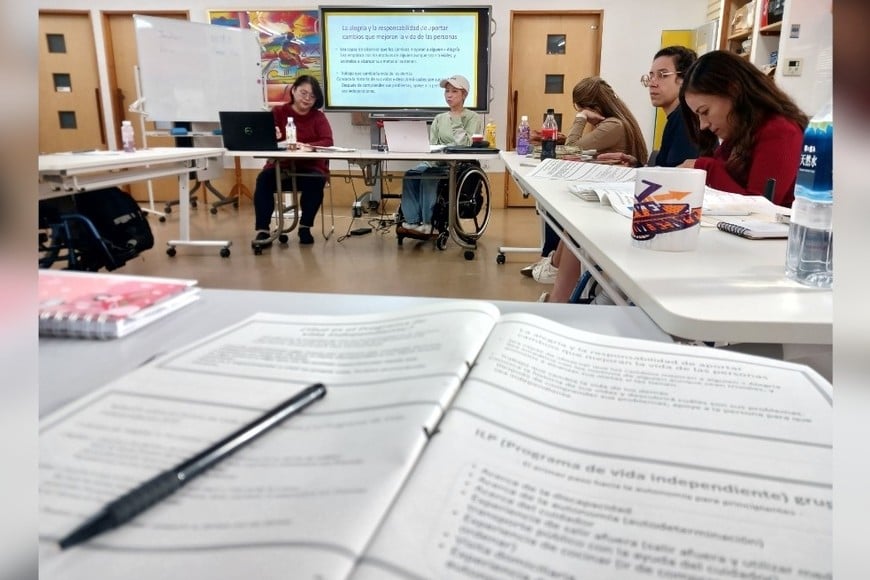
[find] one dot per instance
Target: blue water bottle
(809, 257)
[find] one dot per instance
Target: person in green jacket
(453, 127)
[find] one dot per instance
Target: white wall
(810, 90)
(630, 36)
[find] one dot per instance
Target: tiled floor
(369, 264)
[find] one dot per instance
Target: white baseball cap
(457, 81)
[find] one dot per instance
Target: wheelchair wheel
(473, 204)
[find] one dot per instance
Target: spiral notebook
(754, 229)
(99, 305)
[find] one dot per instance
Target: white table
(730, 289)
(70, 368)
(369, 157)
(68, 173)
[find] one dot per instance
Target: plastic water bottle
(128, 137)
(290, 134)
(523, 134)
(489, 133)
(809, 257)
(548, 135)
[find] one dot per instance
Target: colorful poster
(289, 44)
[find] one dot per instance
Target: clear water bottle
(524, 147)
(290, 134)
(128, 137)
(809, 257)
(548, 135)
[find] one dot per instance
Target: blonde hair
(596, 92)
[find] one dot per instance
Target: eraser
(179, 131)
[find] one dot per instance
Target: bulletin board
(190, 70)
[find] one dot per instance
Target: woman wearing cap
(453, 127)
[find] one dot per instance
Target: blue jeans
(419, 193)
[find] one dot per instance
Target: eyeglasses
(657, 77)
(302, 94)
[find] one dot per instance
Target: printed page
(723, 203)
(569, 455)
(307, 496)
(580, 171)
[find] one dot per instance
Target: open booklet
(620, 196)
(453, 443)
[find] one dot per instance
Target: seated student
(614, 129)
(663, 81)
(747, 129)
(312, 129)
(453, 127)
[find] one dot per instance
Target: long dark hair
(315, 88)
(596, 92)
(754, 98)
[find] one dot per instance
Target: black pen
(155, 489)
(770, 189)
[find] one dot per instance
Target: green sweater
(447, 130)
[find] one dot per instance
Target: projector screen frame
(481, 83)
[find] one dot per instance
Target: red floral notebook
(99, 305)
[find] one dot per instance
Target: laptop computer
(248, 130)
(409, 137)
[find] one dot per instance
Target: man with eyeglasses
(663, 82)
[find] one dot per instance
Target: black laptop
(248, 130)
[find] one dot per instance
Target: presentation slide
(388, 60)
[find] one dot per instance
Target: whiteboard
(190, 70)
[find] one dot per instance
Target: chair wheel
(469, 255)
(170, 251)
(283, 239)
(236, 205)
(167, 209)
(213, 211)
(441, 242)
(225, 252)
(162, 219)
(500, 259)
(193, 204)
(258, 250)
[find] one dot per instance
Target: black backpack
(98, 229)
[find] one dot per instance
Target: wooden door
(70, 115)
(550, 52)
(122, 59)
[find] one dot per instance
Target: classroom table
(363, 158)
(729, 289)
(70, 368)
(63, 174)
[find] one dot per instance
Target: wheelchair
(472, 210)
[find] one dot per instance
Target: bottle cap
(524, 118)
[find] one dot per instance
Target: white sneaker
(425, 229)
(545, 297)
(545, 272)
(527, 271)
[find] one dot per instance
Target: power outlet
(793, 67)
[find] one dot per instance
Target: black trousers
(310, 197)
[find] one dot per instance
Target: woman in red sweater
(747, 129)
(312, 130)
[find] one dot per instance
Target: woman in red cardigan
(747, 129)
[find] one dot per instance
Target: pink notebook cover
(91, 304)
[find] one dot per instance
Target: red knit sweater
(776, 155)
(311, 129)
